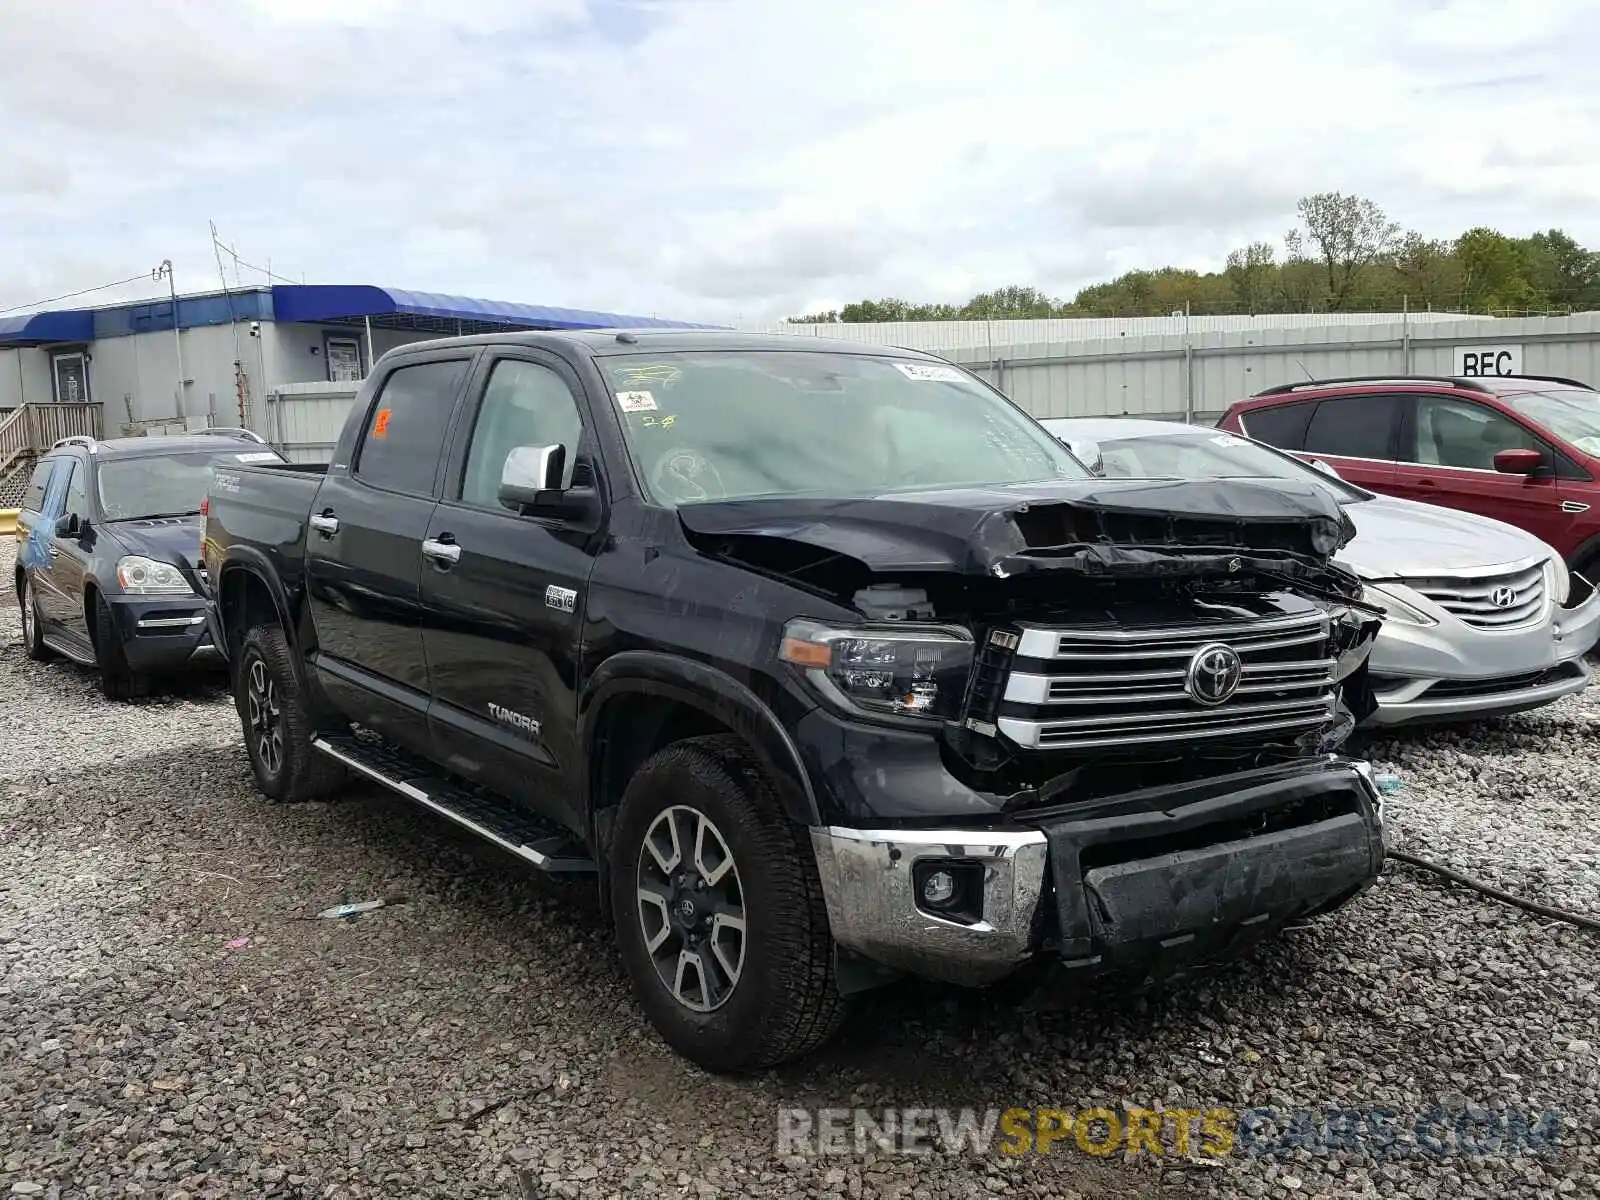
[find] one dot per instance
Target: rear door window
(1354, 427)
(1281, 425)
(404, 436)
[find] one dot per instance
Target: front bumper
(164, 633)
(1199, 869)
(1452, 671)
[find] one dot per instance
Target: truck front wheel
(277, 729)
(719, 912)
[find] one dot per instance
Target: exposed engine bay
(1122, 634)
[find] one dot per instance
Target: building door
(70, 373)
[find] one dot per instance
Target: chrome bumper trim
(867, 884)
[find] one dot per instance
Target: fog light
(939, 888)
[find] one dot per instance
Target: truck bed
(265, 508)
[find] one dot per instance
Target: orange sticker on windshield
(380, 423)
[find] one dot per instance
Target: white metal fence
(1172, 374)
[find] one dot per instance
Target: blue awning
(390, 308)
(42, 329)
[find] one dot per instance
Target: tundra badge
(514, 719)
(559, 598)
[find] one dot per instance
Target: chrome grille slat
(1184, 649)
(1471, 600)
(1056, 700)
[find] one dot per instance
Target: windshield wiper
(166, 516)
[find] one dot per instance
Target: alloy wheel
(266, 720)
(691, 908)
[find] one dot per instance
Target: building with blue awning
(212, 357)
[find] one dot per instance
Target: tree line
(1343, 255)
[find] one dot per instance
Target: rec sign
(1488, 360)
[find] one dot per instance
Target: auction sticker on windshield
(636, 402)
(930, 372)
(258, 456)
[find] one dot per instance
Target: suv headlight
(910, 672)
(1395, 609)
(140, 576)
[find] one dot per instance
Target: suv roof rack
(234, 431)
(1471, 385)
(75, 439)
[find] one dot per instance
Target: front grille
(1100, 690)
(1501, 601)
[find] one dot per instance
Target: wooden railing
(32, 429)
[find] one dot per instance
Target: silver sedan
(1483, 619)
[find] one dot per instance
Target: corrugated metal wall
(1154, 375)
(1171, 375)
(942, 336)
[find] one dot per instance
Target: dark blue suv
(108, 550)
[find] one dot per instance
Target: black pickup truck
(826, 660)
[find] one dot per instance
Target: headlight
(1395, 608)
(140, 576)
(906, 672)
(1558, 579)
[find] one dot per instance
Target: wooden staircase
(29, 431)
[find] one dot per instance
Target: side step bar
(511, 831)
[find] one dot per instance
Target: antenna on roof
(1302, 367)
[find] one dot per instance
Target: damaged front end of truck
(1137, 689)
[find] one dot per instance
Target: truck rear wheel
(719, 911)
(277, 728)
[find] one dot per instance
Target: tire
(118, 681)
(783, 1001)
(32, 632)
(277, 728)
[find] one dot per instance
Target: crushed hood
(1094, 526)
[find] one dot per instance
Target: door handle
(441, 551)
(325, 523)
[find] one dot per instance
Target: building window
(344, 359)
(70, 376)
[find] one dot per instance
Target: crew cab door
(364, 549)
(1447, 458)
(504, 594)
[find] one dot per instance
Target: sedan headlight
(1558, 579)
(140, 576)
(906, 672)
(1395, 609)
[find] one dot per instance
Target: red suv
(1523, 449)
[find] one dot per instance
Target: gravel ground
(147, 1048)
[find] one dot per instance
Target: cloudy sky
(746, 159)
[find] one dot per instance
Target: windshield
(735, 425)
(1217, 455)
(164, 485)
(1571, 414)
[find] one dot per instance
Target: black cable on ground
(1544, 910)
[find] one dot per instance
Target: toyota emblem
(1214, 674)
(1502, 597)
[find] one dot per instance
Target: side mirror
(533, 484)
(68, 526)
(1518, 462)
(1328, 469)
(531, 475)
(1087, 452)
